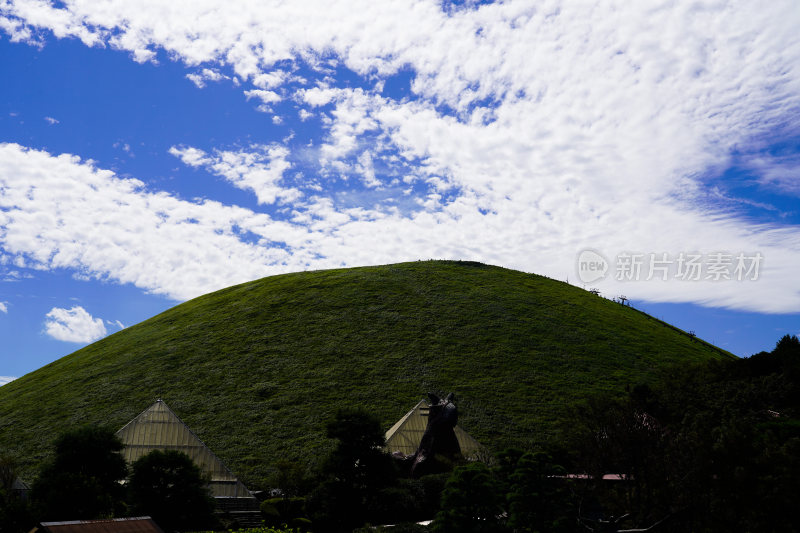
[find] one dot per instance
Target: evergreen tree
(472, 502)
(83, 480)
(170, 488)
(537, 500)
(354, 474)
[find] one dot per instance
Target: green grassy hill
(257, 369)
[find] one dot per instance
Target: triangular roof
(406, 434)
(158, 428)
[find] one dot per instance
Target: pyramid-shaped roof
(406, 434)
(158, 428)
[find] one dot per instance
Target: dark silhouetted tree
(708, 447)
(82, 480)
(354, 475)
(170, 488)
(472, 502)
(15, 513)
(538, 499)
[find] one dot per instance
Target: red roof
(606, 477)
(139, 524)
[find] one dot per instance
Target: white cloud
(318, 96)
(58, 212)
(6, 379)
(61, 213)
(4, 307)
(266, 97)
(51, 120)
(782, 172)
(259, 169)
(205, 75)
(270, 80)
(17, 30)
(532, 131)
(197, 79)
(190, 156)
(366, 168)
(14, 275)
(73, 325)
(39, 14)
(143, 55)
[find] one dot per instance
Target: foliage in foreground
(15, 513)
(262, 529)
(523, 492)
(352, 479)
(712, 447)
(82, 480)
(707, 448)
(170, 488)
(358, 485)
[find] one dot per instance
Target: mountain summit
(257, 369)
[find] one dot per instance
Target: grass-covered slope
(257, 369)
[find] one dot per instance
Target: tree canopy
(83, 479)
(354, 474)
(169, 487)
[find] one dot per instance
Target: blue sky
(148, 156)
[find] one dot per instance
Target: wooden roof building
(159, 428)
(406, 435)
(139, 524)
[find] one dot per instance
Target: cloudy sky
(155, 151)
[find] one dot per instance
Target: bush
(403, 527)
(279, 511)
(300, 524)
